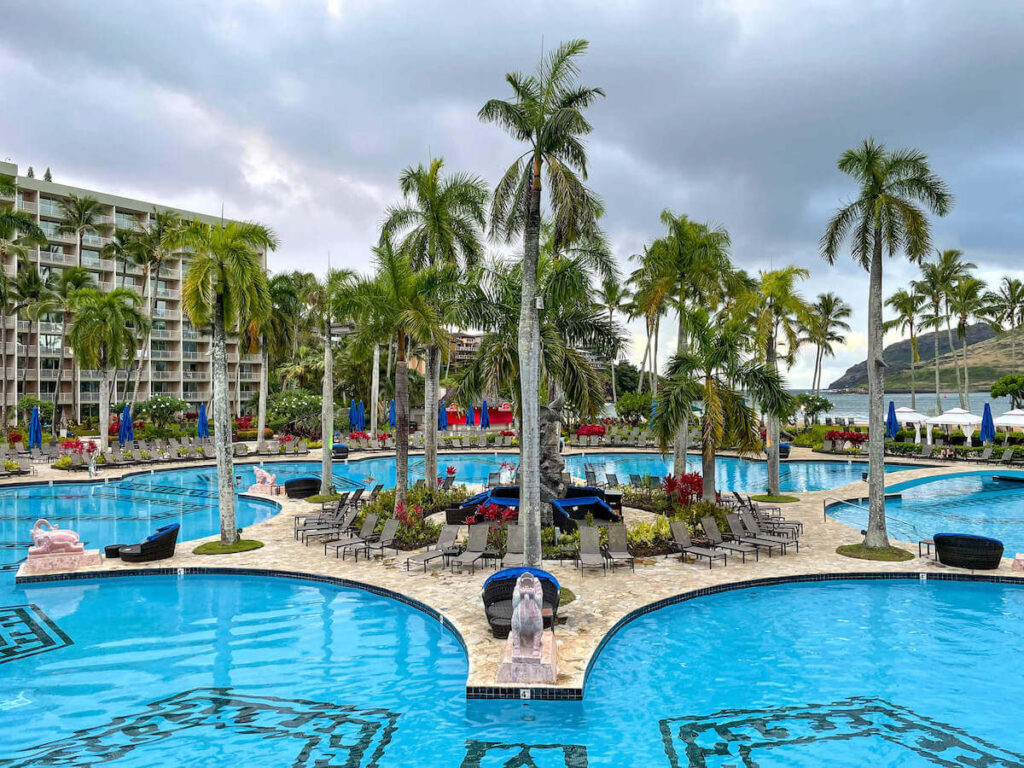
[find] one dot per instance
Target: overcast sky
(302, 114)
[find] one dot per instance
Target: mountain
(989, 357)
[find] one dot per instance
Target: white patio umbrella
(1010, 420)
(905, 415)
(954, 417)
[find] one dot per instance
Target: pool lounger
(717, 541)
(589, 553)
(475, 547)
(742, 536)
(366, 535)
(445, 542)
(685, 546)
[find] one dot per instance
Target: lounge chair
(326, 508)
(159, 546)
(373, 494)
(336, 522)
(493, 479)
(742, 535)
(749, 520)
(475, 548)
(618, 546)
(443, 548)
(1007, 457)
(685, 546)
(515, 549)
(365, 536)
(986, 455)
(612, 480)
(636, 481)
(926, 451)
(717, 541)
(589, 552)
(386, 540)
(447, 484)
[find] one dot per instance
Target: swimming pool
(257, 671)
(731, 473)
(984, 503)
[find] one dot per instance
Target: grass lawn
(321, 498)
(860, 552)
(216, 548)
(775, 499)
(565, 597)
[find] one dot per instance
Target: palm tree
(122, 250)
(275, 339)
(19, 233)
(826, 323)
(396, 302)
(1008, 308)
(615, 297)
(968, 301)
(80, 215)
(154, 246)
(936, 279)
(29, 290)
(225, 285)
(546, 114)
(105, 335)
(886, 217)
(438, 222)
(61, 300)
(908, 306)
(715, 372)
(779, 313)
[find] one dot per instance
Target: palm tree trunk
(222, 430)
(681, 443)
(967, 377)
(60, 374)
(144, 345)
(327, 416)
(707, 462)
(615, 397)
(105, 410)
(913, 363)
(956, 364)
(876, 537)
(529, 374)
(430, 416)
(643, 361)
(261, 417)
(3, 357)
(391, 357)
(401, 423)
(654, 357)
(773, 429)
(935, 360)
(374, 392)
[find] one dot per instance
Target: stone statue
(264, 478)
(265, 482)
(53, 540)
(527, 622)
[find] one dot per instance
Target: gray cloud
(301, 114)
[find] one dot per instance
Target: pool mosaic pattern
(265, 671)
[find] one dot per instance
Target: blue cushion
(515, 573)
(162, 532)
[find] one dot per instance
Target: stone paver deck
(602, 600)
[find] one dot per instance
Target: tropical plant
(968, 301)
(160, 409)
(714, 371)
(104, 335)
(633, 406)
(225, 285)
(439, 221)
(937, 278)
(824, 327)
(545, 113)
(81, 215)
(886, 218)
(1011, 386)
(908, 306)
(614, 297)
(1007, 307)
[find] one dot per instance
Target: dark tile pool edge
(778, 580)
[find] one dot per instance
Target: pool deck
(602, 600)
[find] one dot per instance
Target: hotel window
(49, 344)
(90, 258)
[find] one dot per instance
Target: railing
(89, 239)
(105, 286)
(167, 314)
(48, 327)
(248, 376)
(90, 374)
(47, 374)
(193, 356)
(167, 293)
(190, 334)
(163, 354)
(56, 258)
(85, 397)
(163, 375)
(195, 375)
(30, 350)
(28, 206)
(24, 325)
(49, 208)
(161, 333)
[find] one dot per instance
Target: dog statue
(527, 622)
(53, 540)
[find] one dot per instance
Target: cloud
(301, 114)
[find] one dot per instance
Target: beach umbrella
(203, 423)
(1011, 419)
(988, 427)
(361, 415)
(469, 416)
(485, 417)
(35, 430)
(954, 417)
(352, 425)
(391, 415)
(905, 415)
(126, 433)
(892, 426)
(442, 418)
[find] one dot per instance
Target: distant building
(178, 359)
(465, 347)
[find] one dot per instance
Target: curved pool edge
(773, 581)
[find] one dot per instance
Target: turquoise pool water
(983, 503)
(230, 670)
(732, 474)
(128, 510)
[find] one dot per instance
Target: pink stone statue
(527, 622)
(264, 478)
(53, 540)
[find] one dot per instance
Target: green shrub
(10, 466)
(311, 444)
(64, 462)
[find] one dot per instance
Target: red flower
(282, 438)
(358, 436)
(591, 430)
(688, 487)
(450, 470)
(15, 437)
(854, 437)
(507, 433)
(243, 422)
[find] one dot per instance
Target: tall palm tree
(396, 302)
(908, 306)
(105, 335)
(225, 285)
(545, 113)
(614, 297)
(29, 290)
(826, 324)
(1008, 309)
(439, 221)
(937, 277)
(80, 215)
(779, 313)
(275, 340)
(122, 250)
(62, 300)
(163, 239)
(888, 216)
(968, 301)
(715, 372)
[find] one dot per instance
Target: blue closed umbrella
(442, 419)
(391, 415)
(352, 423)
(988, 425)
(892, 426)
(35, 430)
(469, 416)
(202, 424)
(485, 417)
(126, 434)
(361, 415)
